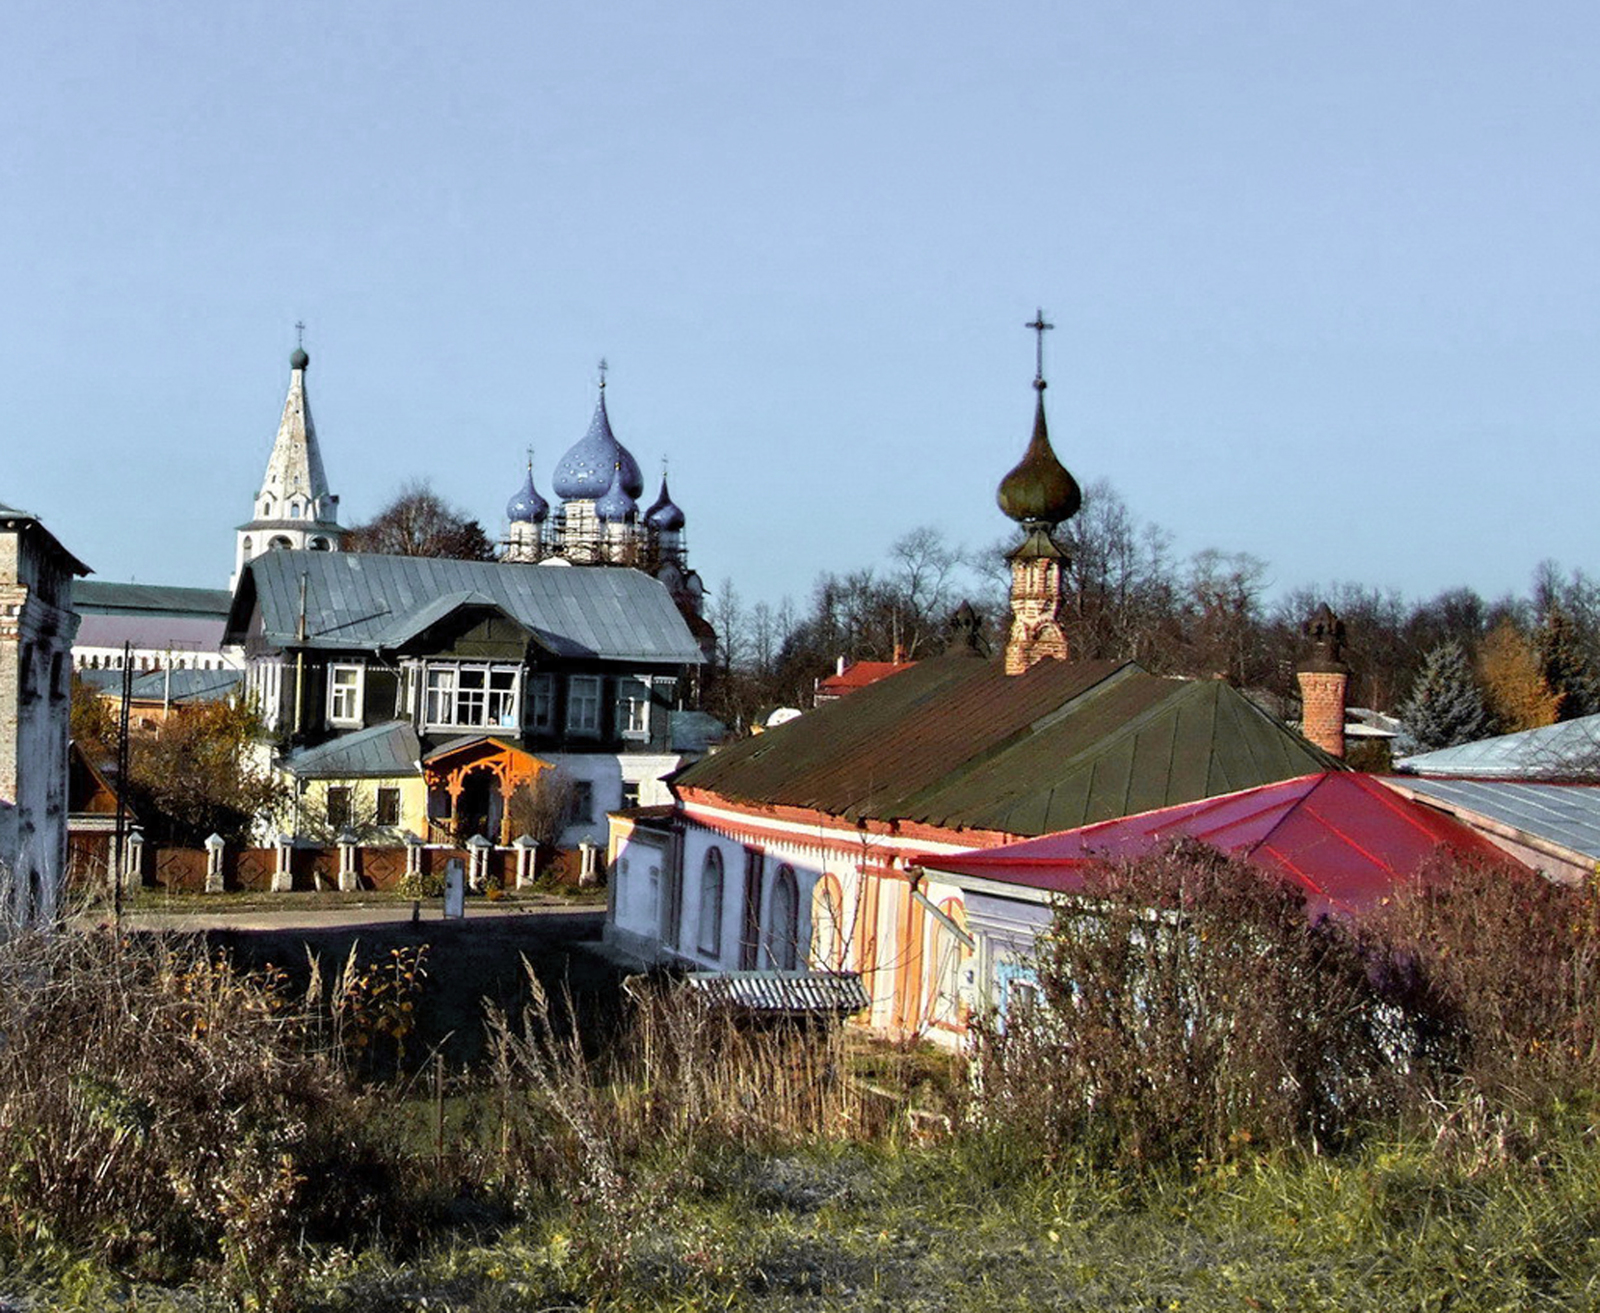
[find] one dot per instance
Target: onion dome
(664, 514)
(1039, 493)
(299, 360)
(584, 473)
(617, 505)
(527, 506)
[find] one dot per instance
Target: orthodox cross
(1040, 327)
(300, 334)
(530, 460)
(603, 368)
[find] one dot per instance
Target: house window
(471, 696)
(582, 802)
(781, 945)
(633, 709)
(344, 695)
(542, 691)
(630, 793)
(583, 705)
(710, 936)
(388, 805)
(338, 806)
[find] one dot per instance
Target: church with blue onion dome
(598, 520)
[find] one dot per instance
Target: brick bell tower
(1039, 494)
(1324, 680)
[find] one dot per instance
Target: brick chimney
(1324, 680)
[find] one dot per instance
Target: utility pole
(122, 785)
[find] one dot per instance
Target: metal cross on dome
(603, 368)
(1040, 327)
(300, 333)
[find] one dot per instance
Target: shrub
(1190, 1007)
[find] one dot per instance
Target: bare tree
(418, 522)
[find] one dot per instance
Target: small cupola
(616, 506)
(526, 505)
(664, 514)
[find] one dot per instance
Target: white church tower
(294, 508)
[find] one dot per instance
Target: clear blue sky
(1325, 275)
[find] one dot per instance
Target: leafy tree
(1514, 682)
(194, 776)
(1446, 706)
(418, 522)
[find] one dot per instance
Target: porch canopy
(470, 782)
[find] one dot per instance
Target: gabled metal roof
(1346, 840)
(956, 742)
(1565, 815)
(1564, 751)
(379, 751)
(96, 596)
(359, 601)
(171, 686)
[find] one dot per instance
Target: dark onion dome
(584, 473)
(664, 513)
(527, 506)
(299, 360)
(617, 505)
(1039, 491)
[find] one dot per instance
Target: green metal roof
(958, 743)
(95, 596)
(378, 752)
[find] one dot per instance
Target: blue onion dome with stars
(584, 473)
(527, 506)
(664, 513)
(617, 505)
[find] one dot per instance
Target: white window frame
(633, 708)
(583, 691)
(346, 685)
(471, 695)
(542, 703)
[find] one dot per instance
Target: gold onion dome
(1039, 491)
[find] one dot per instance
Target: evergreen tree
(1566, 667)
(1446, 706)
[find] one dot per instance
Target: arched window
(294, 510)
(781, 943)
(319, 544)
(280, 543)
(827, 926)
(710, 935)
(247, 546)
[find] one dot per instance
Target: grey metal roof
(1568, 750)
(1567, 815)
(94, 596)
(777, 993)
(151, 632)
(380, 751)
(356, 600)
(695, 731)
(171, 686)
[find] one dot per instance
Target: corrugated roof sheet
(356, 600)
(956, 742)
(1570, 749)
(379, 751)
(1567, 815)
(156, 686)
(99, 595)
(1344, 839)
(775, 993)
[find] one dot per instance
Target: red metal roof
(1346, 839)
(860, 675)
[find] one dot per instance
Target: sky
(1324, 275)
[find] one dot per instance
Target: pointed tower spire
(293, 508)
(1039, 494)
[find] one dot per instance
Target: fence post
(526, 846)
(133, 872)
(478, 849)
(283, 871)
(347, 862)
(413, 854)
(214, 846)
